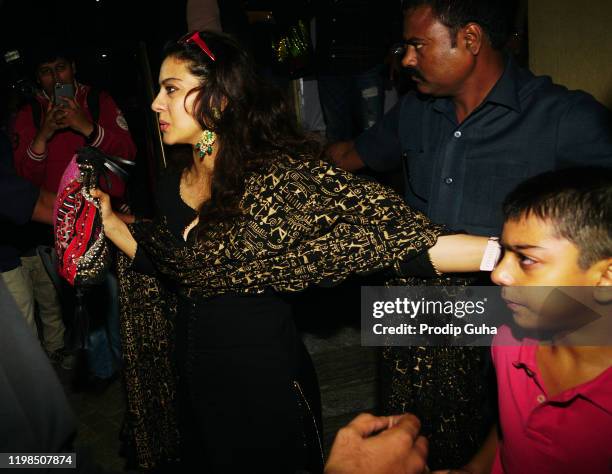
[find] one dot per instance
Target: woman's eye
(170, 89)
(418, 46)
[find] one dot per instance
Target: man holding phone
(50, 130)
(65, 116)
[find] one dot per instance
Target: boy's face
(535, 257)
(58, 71)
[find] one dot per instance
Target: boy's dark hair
(48, 51)
(495, 17)
(576, 201)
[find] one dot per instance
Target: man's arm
(345, 156)
(28, 162)
(379, 445)
(43, 209)
(378, 147)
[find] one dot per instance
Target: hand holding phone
(61, 91)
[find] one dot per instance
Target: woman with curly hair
(213, 362)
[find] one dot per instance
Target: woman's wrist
(112, 224)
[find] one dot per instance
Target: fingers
(70, 102)
(366, 424)
(417, 460)
(407, 423)
(421, 447)
(102, 196)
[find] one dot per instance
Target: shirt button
(457, 134)
(541, 398)
(448, 180)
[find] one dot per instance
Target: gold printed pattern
(304, 223)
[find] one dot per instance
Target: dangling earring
(205, 143)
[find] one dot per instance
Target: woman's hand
(114, 228)
(106, 210)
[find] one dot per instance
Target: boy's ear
(603, 289)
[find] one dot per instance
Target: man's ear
(602, 292)
(472, 35)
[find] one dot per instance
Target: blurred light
(104, 55)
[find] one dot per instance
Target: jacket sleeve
(30, 165)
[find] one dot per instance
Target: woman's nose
(157, 105)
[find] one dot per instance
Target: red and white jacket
(112, 137)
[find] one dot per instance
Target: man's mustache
(413, 72)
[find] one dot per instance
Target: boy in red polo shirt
(555, 398)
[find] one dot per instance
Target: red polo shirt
(568, 433)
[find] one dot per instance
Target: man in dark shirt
(476, 127)
(479, 124)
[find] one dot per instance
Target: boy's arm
(482, 462)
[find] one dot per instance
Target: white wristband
(491, 255)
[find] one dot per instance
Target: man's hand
(379, 445)
(49, 125)
(344, 155)
(71, 115)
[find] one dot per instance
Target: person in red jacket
(43, 150)
(47, 133)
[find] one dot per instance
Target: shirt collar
(598, 391)
(504, 92)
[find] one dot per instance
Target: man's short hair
(578, 204)
(50, 50)
(495, 17)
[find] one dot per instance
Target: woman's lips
(164, 126)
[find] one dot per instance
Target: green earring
(205, 143)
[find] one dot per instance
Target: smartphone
(63, 90)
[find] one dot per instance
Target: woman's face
(174, 104)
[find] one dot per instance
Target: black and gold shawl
(304, 223)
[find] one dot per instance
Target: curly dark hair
(254, 122)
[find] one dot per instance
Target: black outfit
(241, 405)
(459, 174)
(245, 400)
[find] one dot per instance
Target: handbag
(83, 253)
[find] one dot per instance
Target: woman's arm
(114, 228)
(458, 253)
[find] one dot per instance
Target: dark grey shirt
(458, 175)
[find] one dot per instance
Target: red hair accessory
(195, 38)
